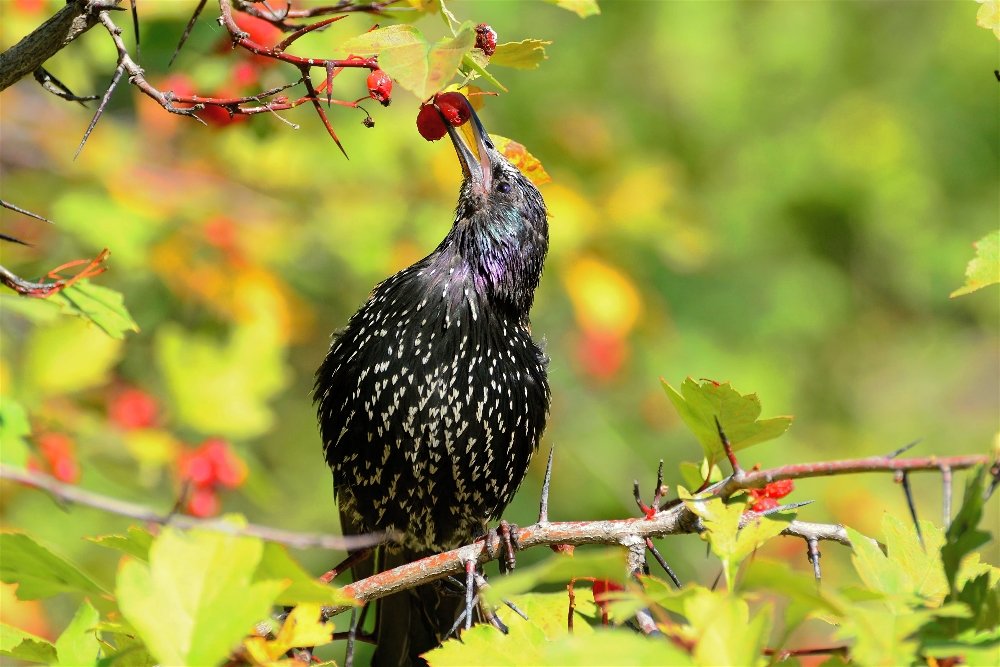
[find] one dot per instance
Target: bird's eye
(503, 186)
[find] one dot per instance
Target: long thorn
(100, 108)
(135, 29)
(893, 454)
(728, 448)
(663, 562)
(658, 492)
(187, 30)
(904, 480)
(543, 506)
(18, 209)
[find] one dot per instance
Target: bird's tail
(414, 621)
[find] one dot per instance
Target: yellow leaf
(988, 16)
(301, 628)
(604, 298)
(522, 159)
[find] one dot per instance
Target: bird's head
(501, 228)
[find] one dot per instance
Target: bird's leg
(508, 541)
(470, 587)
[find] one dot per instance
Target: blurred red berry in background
(132, 408)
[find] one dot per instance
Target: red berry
(245, 75)
(764, 504)
(454, 106)
(199, 469)
(380, 87)
(65, 469)
(430, 124)
(260, 31)
(602, 587)
(779, 489)
(132, 408)
(486, 39)
(228, 469)
(59, 453)
(203, 502)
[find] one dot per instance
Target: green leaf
(14, 428)
(476, 60)
(881, 637)
(805, 597)
(728, 540)
(921, 563)
(122, 647)
(559, 569)
(963, 534)
(582, 8)
(695, 474)
(67, 356)
(526, 54)
(405, 55)
(135, 542)
(984, 269)
(78, 644)
(700, 404)
(195, 600)
(100, 305)
(722, 627)
(276, 564)
(223, 387)
(20, 645)
(527, 645)
(38, 572)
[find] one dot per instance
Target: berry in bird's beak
(450, 113)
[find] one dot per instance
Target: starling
(433, 399)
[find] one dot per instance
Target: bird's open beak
(471, 142)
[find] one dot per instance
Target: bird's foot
(502, 542)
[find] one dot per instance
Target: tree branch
(76, 18)
(74, 494)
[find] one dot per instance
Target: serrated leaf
(20, 645)
(277, 564)
(723, 630)
(519, 156)
(405, 55)
(984, 268)
(14, 428)
(135, 542)
(526, 54)
(302, 628)
(558, 569)
(700, 404)
(881, 637)
(727, 539)
(78, 644)
(582, 8)
(527, 645)
(195, 600)
(963, 535)
(38, 572)
(97, 304)
(805, 598)
(920, 562)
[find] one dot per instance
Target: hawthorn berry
(229, 469)
(203, 502)
(601, 589)
(454, 106)
(779, 489)
(132, 408)
(764, 504)
(380, 87)
(486, 39)
(59, 453)
(430, 124)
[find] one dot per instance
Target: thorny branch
(70, 494)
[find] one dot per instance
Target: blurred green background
(777, 194)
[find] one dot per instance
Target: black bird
(433, 399)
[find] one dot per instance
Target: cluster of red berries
(58, 453)
(486, 39)
(767, 498)
(380, 87)
(452, 108)
(211, 466)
